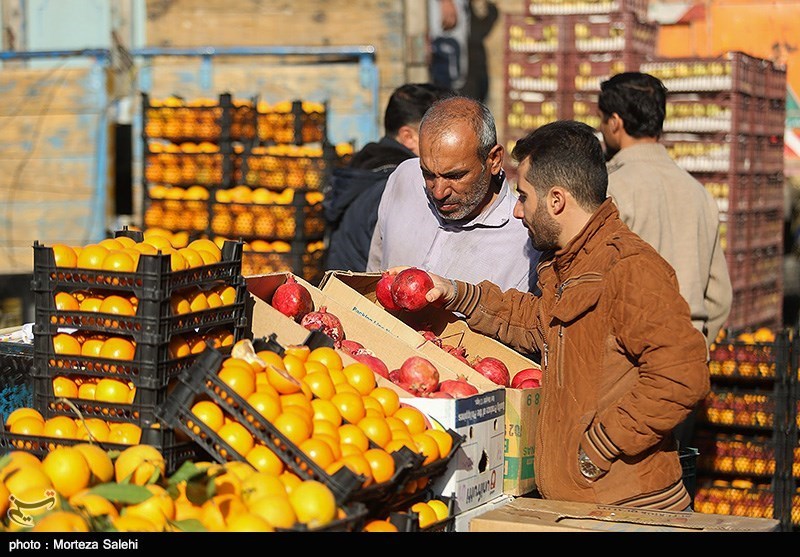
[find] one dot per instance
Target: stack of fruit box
(152, 367)
(474, 474)
(557, 54)
(356, 291)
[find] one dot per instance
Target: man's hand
(449, 14)
(443, 291)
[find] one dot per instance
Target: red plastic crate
(533, 71)
(581, 7)
(732, 72)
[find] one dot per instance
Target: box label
(480, 408)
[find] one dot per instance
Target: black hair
(408, 104)
(565, 153)
(640, 100)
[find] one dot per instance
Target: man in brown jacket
(622, 363)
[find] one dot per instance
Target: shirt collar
(640, 152)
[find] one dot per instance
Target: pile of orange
(29, 421)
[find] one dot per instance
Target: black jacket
(351, 202)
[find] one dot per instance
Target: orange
(248, 522)
(208, 246)
(297, 399)
(27, 425)
(209, 413)
(314, 503)
(325, 427)
(397, 444)
(326, 410)
(300, 351)
(118, 348)
(125, 241)
(350, 434)
(293, 427)
(264, 459)
(145, 249)
(294, 366)
(327, 356)
(60, 426)
(376, 429)
(226, 292)
(426, 514)
(339, 378)
(66, 302)
(320, 384)
(178, 347)
(389, 400)
(315, 367)
(197, 300)
(237, 436)
(276, 510)
(23, 413)
(67, 469)
(139, 464)
(219, 510)
(373, 407)
(213, 300)
(350, 406)
(119, 261)
(426, 446)
(159, 242)
(92, 429)
(111, 243)
(378, 525)
(318, 451)
(260, 484)
(192, 258)
(92, 257)
(179, 304)
(66, 344)
(265, 404)
(117, 305)
(158, 508)
(196, 345)
(112, 390)
(440, 508)
(238, 362)
(91, 347)
(360, 465)
(125, 434)
(281, 380)
(443, 439)
(93, 504)
(381, 463)
(290, 481)
(413, 418)
(360, 376)
(91, 303)
(396, 423)
(332, 440)
(61, 521)
(65, 387)
(241, 381)
(64, 256)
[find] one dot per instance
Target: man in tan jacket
(622, 364)
(660, 201)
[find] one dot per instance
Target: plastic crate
(264, 167)
(354, 516)
(739, 407)
(526, 71)
(742, 455)
(305, 265)
(408, 521)
(175, 452)
(152, 280)
(733, 72)
(296, 123)
(202, 379)
(688, 458)
(300, 220)
(712, 112)
(581, 7)
(527, 110)
(586, 71)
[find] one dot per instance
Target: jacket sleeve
(510, 317)
(375, 256)
(653, 327)
(719, 293)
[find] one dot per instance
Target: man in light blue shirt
(450, 211)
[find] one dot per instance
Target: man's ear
(408, 136)
(556, 200)
(495, 160)
(616, 123)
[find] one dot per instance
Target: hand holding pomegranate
(439, 293)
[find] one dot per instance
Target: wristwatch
(588, 468)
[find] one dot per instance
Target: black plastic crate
(153, 279)
(299, 220)
(276, 169)
(734, 454)
(294, 122)
(740, 359)
(354, 515)
(307, 265)
(175, 452)
(16, 382)
(688, 458)
(202, 379)
(740, 408)
(408, 521)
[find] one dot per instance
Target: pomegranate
(418, 376)
(493, 369)
(351, 346)
(527, 373)
(529, 384)
(409, 288)
(292, 299)
(430, 336)
(325, 322)
(458, 388)
(458, 351)
(383, 291)
(440, 394)
(394, 376)
(372, 361)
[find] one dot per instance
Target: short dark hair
(640, 100)
(408, 104)
(565, 153)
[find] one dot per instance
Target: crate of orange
(268, 433)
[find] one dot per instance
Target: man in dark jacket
(352, 198)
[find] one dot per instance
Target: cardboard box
(356, 291)
(463, 519)
(475, 473)
(525, 514)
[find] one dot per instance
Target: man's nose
(439, 187)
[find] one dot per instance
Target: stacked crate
(241, 169)
(558, 54)
(132, 357)
(725, 124)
